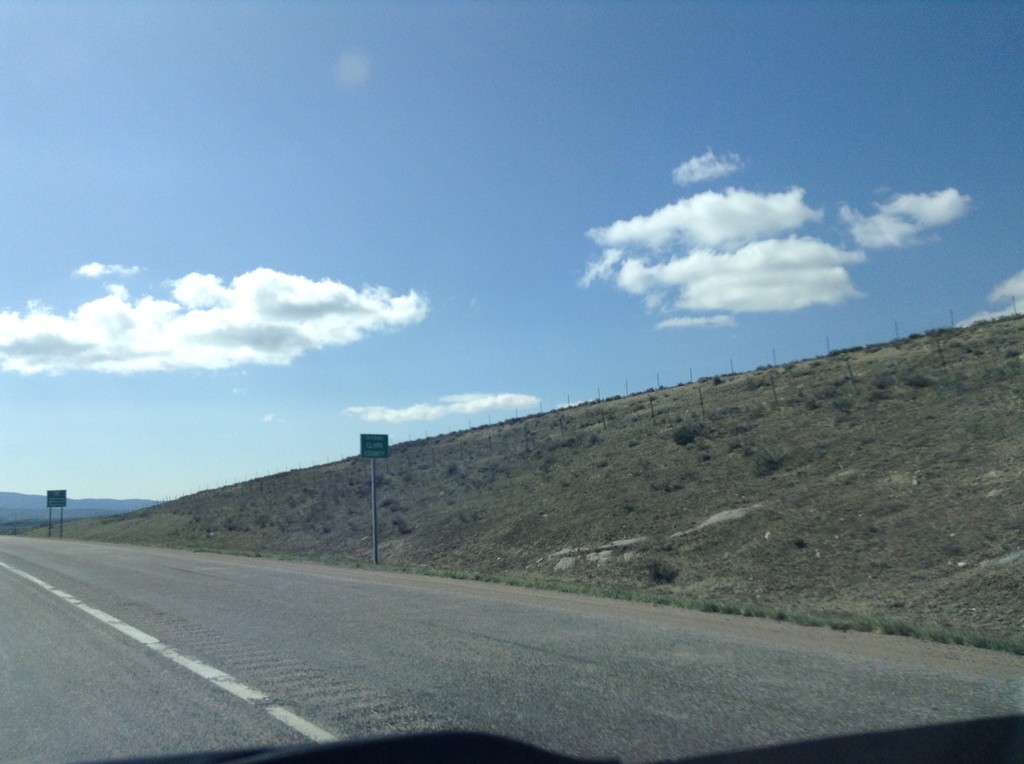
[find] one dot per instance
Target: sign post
(373, 447)
(56, 499)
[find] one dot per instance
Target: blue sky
(234, 236)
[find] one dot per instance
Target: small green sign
(56, 499)
(373, 446)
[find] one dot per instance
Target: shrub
(768, 458)
(843, 405)
(662, 572)
(919, 380)
(688, 433)
(884, 381)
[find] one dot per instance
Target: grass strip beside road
(875, 624)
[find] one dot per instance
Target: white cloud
(469, 403)
(261, 317)
(688, 322)
(96, 270)
(722, 253)
(718, 252)
(897, 223)
(1011, 292)
(706, 167)
(352, 70)
(711, 219)
(767, 275)
(603, 268)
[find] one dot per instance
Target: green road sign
(56, 498)
(373, 446)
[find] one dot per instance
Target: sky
(236, 236)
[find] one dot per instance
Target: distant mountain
(21, 507)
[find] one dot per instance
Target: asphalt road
(112, 651)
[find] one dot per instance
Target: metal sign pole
(56, 499)
(373, 447)
(373, 506)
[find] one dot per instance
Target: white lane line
(213, 675)
(297, 723)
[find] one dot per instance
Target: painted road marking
(210, 673)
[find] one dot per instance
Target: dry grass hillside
(879, 487)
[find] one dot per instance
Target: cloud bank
(737, 251)
(260, 317)
(468, 403)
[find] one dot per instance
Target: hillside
(879, 483)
